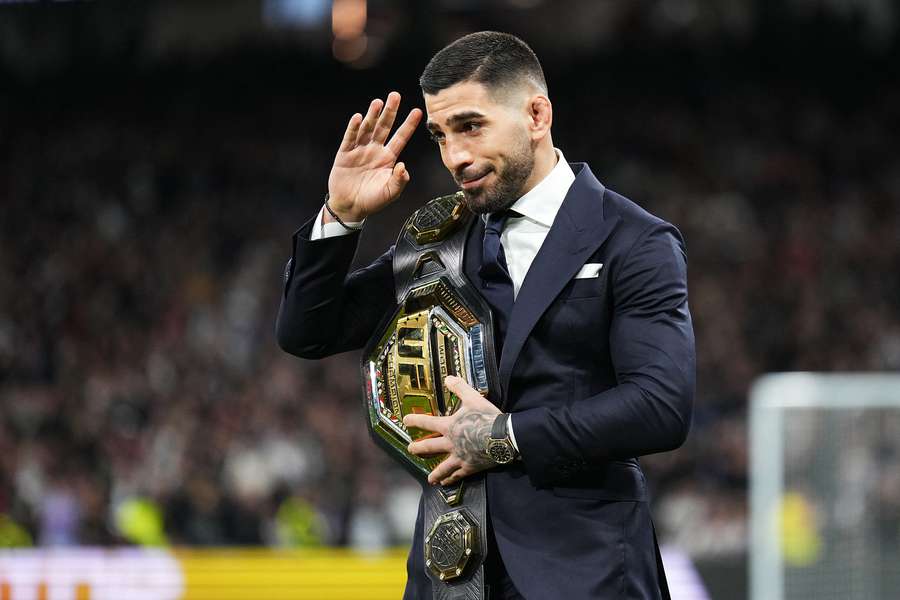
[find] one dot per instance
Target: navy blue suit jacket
(596, 372)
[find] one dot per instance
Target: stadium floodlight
(825, 487)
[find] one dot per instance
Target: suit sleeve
(652, 347)
(325, 309)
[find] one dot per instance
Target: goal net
(825, 487)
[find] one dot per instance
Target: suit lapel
(578, 230)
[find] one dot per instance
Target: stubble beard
(510, 181)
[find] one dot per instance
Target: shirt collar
(542, 202)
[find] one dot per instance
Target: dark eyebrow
(463, 116)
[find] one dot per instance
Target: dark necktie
(493, 259)
(496, 285)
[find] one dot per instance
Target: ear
(540, 116)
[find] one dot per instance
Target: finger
(438, 445)
(461, 388)
(368, 124)
(427, 422)
(447, 467)
(404, 132)
(455, 476)
(386, 120)
(349, 140)
(399, 179)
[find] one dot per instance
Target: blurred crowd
(143, 398)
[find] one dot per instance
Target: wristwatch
(500, 447)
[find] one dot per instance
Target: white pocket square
(589, 270)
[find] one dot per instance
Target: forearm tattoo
(470, 434)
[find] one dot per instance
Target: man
(590, 302)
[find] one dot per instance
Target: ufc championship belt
(441, 326)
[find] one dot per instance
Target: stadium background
(155, 158)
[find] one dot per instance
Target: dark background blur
(155, 158)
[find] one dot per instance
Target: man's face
(484, 143)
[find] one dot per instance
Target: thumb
(399, 178)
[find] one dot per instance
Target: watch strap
(499, 430)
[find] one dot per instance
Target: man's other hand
(464, 435)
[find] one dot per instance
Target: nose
(456, 156)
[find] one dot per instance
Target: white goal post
(825, 487)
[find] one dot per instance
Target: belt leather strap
(416, 264)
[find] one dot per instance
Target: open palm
(366, 176)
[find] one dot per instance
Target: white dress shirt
(522, 237)
(322, 230)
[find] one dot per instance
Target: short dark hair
(491, 58)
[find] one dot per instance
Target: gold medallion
(437, 219)
(449, 545)
(431, 336)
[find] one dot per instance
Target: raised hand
(464, 435)
(366, 176)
